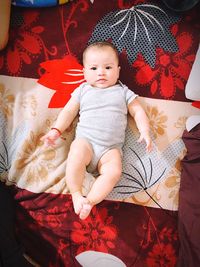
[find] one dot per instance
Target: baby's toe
(85, 211)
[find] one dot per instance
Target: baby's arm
(65, 118)
(67, 115)
(142, 122)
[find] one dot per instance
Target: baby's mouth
(101, 80)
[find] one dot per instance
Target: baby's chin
(102, 84)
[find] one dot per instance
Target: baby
(102, 103)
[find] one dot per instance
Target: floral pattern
(162, 255)
(180, 123)
(173, 181)
(157, 120)
(26, 47)
(36, 166)
(165, 78)
(63, 76)
(139, 235)
(128, 28)
(172, 69)
(162, 252)
(101, 231)
(30, 102)
(6, 101)
(95, 233)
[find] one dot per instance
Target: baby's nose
(101, 71)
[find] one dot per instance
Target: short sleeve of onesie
(129, 95)
(77, 93)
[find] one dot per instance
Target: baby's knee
(74, 154)
(80, 150)
(117, 172)
(114, 174)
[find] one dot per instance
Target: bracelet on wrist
(60, 134)
(53, 128)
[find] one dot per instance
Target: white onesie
(103, 117)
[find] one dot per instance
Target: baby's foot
(85, 211)
(78, 202)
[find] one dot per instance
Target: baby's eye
(93, 68)
(108, 67)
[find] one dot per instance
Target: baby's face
(101, 67)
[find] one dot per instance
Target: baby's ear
(119, 68)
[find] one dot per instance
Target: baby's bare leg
(79, 157)
(110, 169)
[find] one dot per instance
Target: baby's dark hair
(100, 44)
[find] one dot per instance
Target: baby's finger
(149, 146)
(140, 139)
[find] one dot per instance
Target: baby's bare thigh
(81, 149)
(111, 162)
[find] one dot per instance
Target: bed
(41, 66)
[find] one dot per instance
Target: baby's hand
(146, 137)
(50, 138)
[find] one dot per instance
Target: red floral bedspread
(157, 49)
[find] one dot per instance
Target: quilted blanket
(41, 66)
